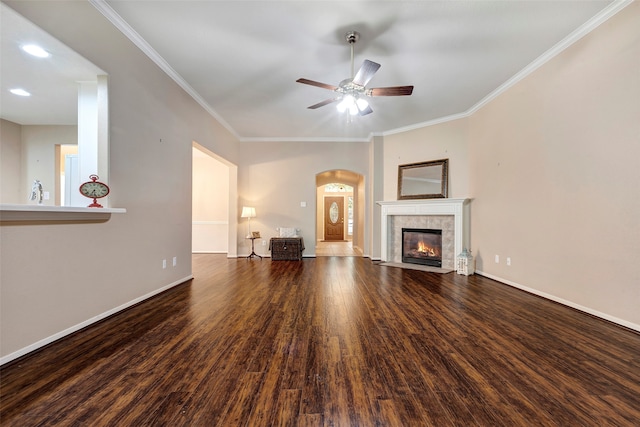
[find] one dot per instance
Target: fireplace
(422, 246)
(449, 215)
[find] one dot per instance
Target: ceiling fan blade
(323, 103)
(318, 84)
(390, 91)
(366, 72)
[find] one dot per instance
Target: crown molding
(303, 139)
(103, 7)
(593, 23)
(433, 122)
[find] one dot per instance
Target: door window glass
(333, 213)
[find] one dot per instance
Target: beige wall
(39, 156)
(32, 156)
(50, 282)
(448, 140)
(375, 192)
(555, 174)
(10, 163)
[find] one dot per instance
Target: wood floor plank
(288, 408)
(326, 342)
(265, 410)
(315, 375)
(241, 404)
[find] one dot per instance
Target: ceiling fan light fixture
(362, 104)
(346, 103)
(355, 105)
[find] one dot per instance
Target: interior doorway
(213, 184)
(339, 213)
(67, 176)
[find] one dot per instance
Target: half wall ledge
(26, 213)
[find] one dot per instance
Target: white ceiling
(241, 59)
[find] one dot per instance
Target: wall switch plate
(508, 260)
(303, 204)
(497, 259)
(175, 261)
(264, 243)
(164, 263)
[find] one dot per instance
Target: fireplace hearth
(422, 246)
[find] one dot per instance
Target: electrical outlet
(164, 263)
(175, 261)
(508, 260)
(497, 259)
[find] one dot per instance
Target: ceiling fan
(352, 91)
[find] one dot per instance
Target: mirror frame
(444, 187)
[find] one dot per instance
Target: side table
(253, 252)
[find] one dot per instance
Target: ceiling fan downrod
(352, 37)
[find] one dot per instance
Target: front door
(334, 218)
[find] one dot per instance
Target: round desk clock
(95, 190)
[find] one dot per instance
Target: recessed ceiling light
(19, 92)
(35, 50)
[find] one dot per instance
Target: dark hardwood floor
(332, 341)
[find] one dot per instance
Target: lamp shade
(248, 212)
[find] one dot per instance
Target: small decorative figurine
(36, 191)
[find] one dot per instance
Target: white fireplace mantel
(459, 208)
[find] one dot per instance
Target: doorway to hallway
(339, 213)
(211, 186)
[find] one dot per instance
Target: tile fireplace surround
(449, 215)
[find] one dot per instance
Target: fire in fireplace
(422, 246)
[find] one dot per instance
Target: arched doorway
(339, 213)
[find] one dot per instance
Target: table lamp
(248, 212)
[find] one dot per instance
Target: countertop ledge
(17, 212)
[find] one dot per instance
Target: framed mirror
(424, 180)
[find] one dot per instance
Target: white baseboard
(562, 301)
(88, 322)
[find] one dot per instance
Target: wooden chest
(286, 248)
